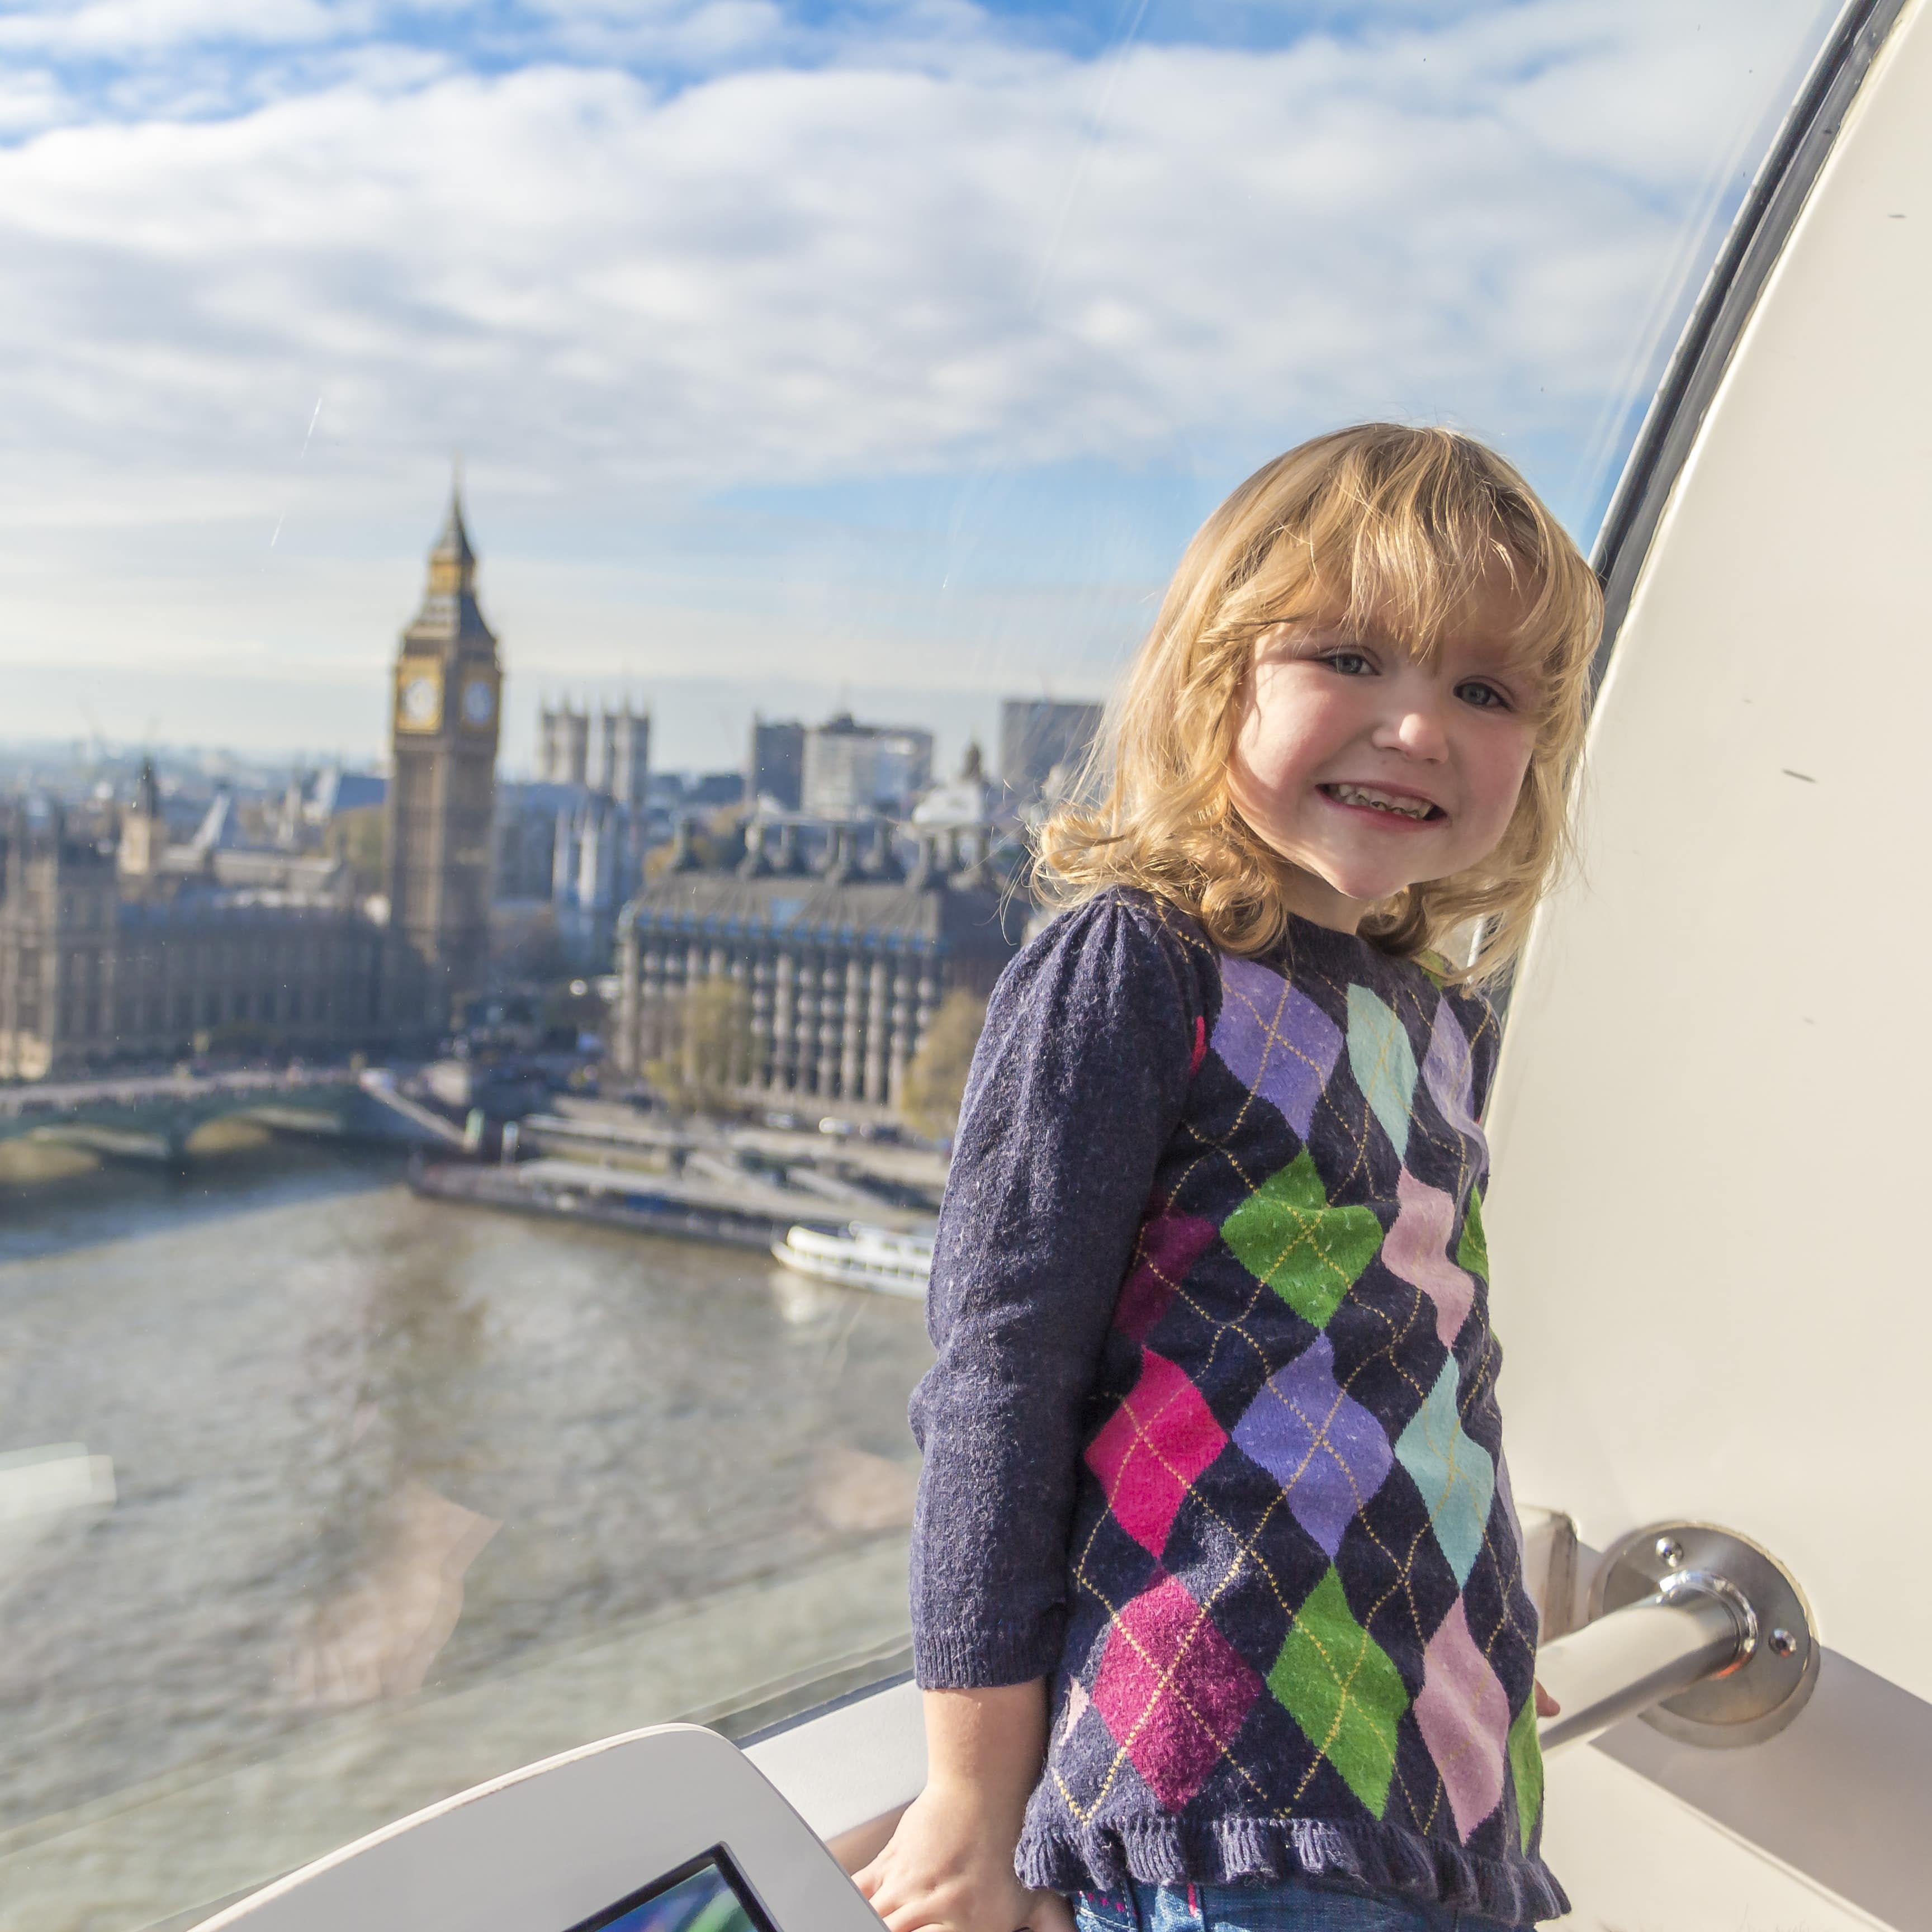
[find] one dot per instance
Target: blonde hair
(1377, 525)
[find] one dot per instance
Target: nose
(1414, 728)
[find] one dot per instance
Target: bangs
(1408, 542)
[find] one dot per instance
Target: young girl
(1217, 1585)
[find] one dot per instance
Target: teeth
(1380, 801)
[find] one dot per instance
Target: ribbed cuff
(962, 1659)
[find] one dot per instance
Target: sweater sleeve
(1077, 1085)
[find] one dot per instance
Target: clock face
(479, 702)
(421, 702)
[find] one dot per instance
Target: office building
(1040, 735)
(775, 771)
(853, 770)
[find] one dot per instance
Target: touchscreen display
(703, 1896)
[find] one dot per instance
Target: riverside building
(837, 969)
(132, 949)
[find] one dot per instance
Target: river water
(376, 1458)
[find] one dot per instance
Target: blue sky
(887, 350)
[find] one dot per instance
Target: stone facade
(838, 971)
(98, 965)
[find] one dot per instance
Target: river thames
(403, 1494)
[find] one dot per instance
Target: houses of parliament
(117, 944)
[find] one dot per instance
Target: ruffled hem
(1062, 1857)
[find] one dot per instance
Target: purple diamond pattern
(1329, 1454)
(1277, 1042)
(1449, 1071)
(1464, 1716)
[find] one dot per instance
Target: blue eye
(1483, 697)
(1350, 663)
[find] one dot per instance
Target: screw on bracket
(1669, 1551)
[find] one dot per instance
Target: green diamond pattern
(1286, 1235)
(1472, 1251)
(1525, 1757)
(1337, 1683)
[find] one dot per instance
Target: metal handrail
(1695, 1628)
(1698, 1630)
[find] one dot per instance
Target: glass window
(834, 389)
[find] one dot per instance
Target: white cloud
(921, 253)
(120, 28)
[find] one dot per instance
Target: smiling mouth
(1417, 810)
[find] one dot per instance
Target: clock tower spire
(443, 725)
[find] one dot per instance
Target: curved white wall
(1711, 1206)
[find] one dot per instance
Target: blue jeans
(1288, 1905)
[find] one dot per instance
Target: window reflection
(834, 390)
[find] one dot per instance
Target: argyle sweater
(1212, 1441)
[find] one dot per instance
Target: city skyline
(704, 727)
(798, 354)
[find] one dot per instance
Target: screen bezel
(714, 1856)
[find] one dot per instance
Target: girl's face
(1368, 771)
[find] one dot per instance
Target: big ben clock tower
(443, 783)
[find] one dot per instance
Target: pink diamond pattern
(1172, 1690)
(1464, 1715)
(1170, 1244)
(1417, 1251)
(1152, 1448)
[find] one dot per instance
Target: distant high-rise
(776, 767)
(853, 770)
(1036, 734)
(443, 749)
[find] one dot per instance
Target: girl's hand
(1546, 1706)
(950, 1866)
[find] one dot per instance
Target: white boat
(861, 1257)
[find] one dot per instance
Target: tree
(713, 1054)
(935, 1077)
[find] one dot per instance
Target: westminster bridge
(151, 1117)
